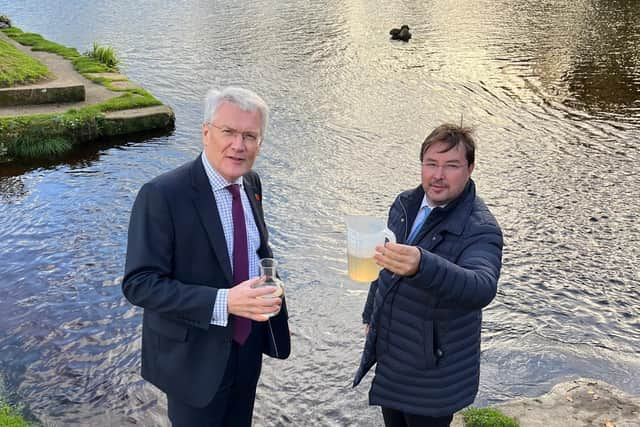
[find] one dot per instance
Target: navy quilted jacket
(425, 329)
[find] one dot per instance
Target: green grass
(40, 148)
(487, 417)
(40, 44)
(85, 64)
(104, 54)
(17, 67)
(82, 63)
(9, 417)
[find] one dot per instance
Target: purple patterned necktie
(241, 325)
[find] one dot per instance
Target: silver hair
(246, 99)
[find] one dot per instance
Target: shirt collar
(425, 203)
(216, 180)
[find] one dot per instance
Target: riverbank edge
(45, 131)
(580, 402)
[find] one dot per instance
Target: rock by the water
(5, 22)
(577, 403)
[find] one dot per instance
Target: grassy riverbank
(50, 135)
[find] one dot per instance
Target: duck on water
(401, 33)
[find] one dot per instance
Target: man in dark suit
(196, 236)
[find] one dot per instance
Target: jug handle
(388, 234)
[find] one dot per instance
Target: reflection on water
(592, 61)
(551, 87)
(11, 188)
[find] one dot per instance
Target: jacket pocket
(408, 347)
(416, 348)
(413, 346)
(429, 344)
(168, 328)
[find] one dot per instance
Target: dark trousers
(393, 418)
(232, 406)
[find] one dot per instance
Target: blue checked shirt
(223, 201)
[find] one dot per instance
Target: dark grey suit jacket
(176, 261)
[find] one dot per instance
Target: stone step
(137, 120)
(37, 95)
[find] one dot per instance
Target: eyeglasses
(446, 168)
(249, 138)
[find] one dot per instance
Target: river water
(552, 88)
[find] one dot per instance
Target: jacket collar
(453, 216)
(411, 200)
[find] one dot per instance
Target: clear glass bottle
(268, 268)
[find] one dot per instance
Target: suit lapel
(207, 209)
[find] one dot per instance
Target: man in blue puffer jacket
(423, 313)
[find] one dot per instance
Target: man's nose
(438, 171)
(238, 141)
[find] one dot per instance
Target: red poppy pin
(257, 197)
